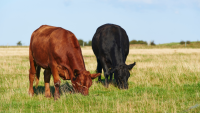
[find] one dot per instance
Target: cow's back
(39, 44)
(109, 37)
(49, 44)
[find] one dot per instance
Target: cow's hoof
(30, 94)
(56, 97)
(106, 85)
(99, 81)
(48, 96)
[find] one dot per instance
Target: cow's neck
(120, 59)
(76, 63)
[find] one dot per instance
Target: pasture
(163, 80)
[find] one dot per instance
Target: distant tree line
(183, 42)
(89, 43)
(141, 42)
(138, 42)
(83, 43)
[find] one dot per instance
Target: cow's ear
(130, 66)
(93, 76)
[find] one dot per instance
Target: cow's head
(122, 74)
(82, 81)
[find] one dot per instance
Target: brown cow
(57, 51)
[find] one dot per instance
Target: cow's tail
(37, 76)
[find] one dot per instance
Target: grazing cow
(57, 51)
(110, 44)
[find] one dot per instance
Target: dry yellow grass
(14, 51)
(88, 51)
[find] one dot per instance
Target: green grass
(158, 83)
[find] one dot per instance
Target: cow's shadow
(64, 88)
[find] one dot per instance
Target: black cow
(110, 44)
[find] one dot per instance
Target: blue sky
(163, 21)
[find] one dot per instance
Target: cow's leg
(32, 72)
(106, 77)
(56, 81)
(106, 80)
(106, 71)
(111, 75)
(99, 69)
(47, 76)
(37, 75)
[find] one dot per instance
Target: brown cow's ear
(93, 76)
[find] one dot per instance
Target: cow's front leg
(106, 70)
(99, 69)
(106, 80)
(111, 76)
(47, 76)
(56, 82)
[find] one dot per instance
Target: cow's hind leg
(37, 75)
(99, 69)
(47, 76)
(32, 72)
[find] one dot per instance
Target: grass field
(163, 80)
